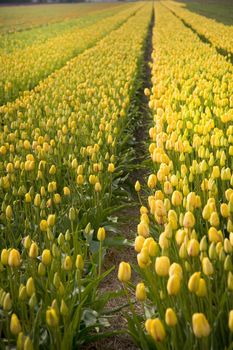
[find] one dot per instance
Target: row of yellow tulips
(21, 39)
(184, 240)
(23, 69)
(59, 148)
(219, 34)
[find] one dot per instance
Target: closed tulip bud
(9, 212)
(230, 321)
(4, 256)
(193, 282)
(170, 317)
(72, 214)
(56, 280)
(173, 285)
(27, 242)
(111, 168)
(202, 288)
(201, 327)
(156, 330)
(52, 317)
(14, 258)
(46, 257)
(206, 212)
(51, 220)
(207, 267)
(230, 281)
(64, 309)
(189, 220)
(177, 198)
(124, 272)
(176, 269)
(143, 229)
(30, 287)
(162, 265)
(193, 247)
(22, 292)
(101, 234)
(153, 248)
(214, 235)
(20, 341)
(67, 235)
(214, 219)
(61, 239)
(32, 301)
(183, 251)
(140, 292)
(7, 302)
(228, 263)
(138, 244)
(224, 209)
(33, 251)
(66, 191)
(28, 198)
(67, 263)
(79, 263)
(98, 187)
(28, 344)
(137, 186)
(15, 326)
(203, 244)
(227, 246)
(43, 225)
(152, 181)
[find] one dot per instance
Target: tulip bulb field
(116, 176)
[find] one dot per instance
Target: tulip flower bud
(230, 321)
(138, 244)
(111, 168)
(72, 214)
(28, 344)
(228, 263)
(152, 181)
(9, 212)
(201, 327)
(227, 246)
(7, 302)
(173, 285)
(51, 220)
(143, 229)
(207, 267)
(33, 251)
(4, 256)
(137, 186)
(230, 281)
(66, 191)
(202, 288)
(203, 244)
(140, 292)
(41, 269)
(30, 287)
(214, 235)
(22, 292)
(32, 301)
(27, 242)
(43, 225)
(67, 263)
(189, 220)
(52, 317)
(79, 263)
(176, 269)
(61, 239)
(20, 341)
(193, 247)
(124, 272)
(46, 257)
(101, 234)
(156, 329)
(170, 317)
(14, 258)
(162, 265)
(193, 282)
(64, 308)
(15, 326)
(177, 198)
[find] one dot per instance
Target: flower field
(117, 117)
